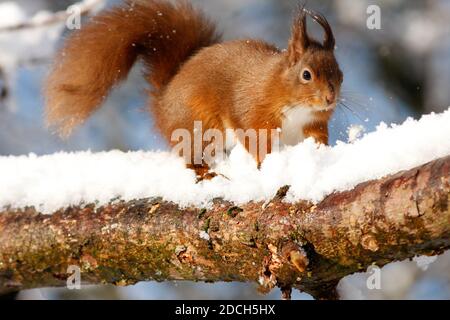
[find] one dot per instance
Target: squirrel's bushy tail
(101, 54)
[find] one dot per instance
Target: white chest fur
(294, 120)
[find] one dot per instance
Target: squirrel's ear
(299, 39)
(329, 41)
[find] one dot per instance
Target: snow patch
(424, 262)
(204, 235)
(355, 132)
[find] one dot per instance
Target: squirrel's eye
(306, 75)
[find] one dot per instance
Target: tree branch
(304, 246)
(57, 17)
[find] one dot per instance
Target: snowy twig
(84, 7)
(305, 246)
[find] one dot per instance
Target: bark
(289, 245)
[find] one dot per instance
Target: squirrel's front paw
(207, 176)
(203, 173)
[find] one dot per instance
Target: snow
(18, 47)
(424, 262)
(11, 14)
(35, 43)
(23, 46)
(204, 235)
(355, 132)
(53, 181)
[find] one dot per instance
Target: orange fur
(102, 53)
(241, 84)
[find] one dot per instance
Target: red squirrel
(241, 84)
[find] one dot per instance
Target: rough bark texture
(304, 246)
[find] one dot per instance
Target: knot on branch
(289, 256)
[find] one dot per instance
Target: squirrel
(194, 76)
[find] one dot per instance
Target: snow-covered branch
(347, 207)
(31, 39)
(301, 245)
(60, 180)
(83, 7)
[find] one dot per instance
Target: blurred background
(399, 71)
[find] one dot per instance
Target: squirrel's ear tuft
(299, 39)
(328, 41)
